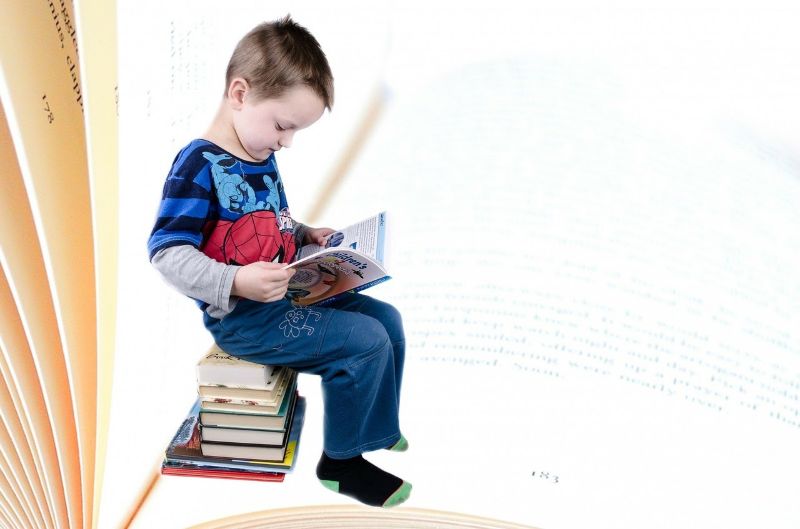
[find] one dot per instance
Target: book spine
(381, 236)
(371, 284)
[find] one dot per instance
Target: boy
(224, 233)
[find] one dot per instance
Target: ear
(237, 92)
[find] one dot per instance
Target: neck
(222, 133)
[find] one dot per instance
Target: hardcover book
(262, 397)
(199, 471)
(243, 435)
(218, 368)
(251, 421)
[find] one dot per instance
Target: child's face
(265, 126)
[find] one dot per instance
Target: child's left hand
(318, 235)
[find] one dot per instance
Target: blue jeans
(356, 344)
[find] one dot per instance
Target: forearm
(196, 275)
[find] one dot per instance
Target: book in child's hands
(218, 368)
(351, 261)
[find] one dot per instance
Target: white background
(704, 73)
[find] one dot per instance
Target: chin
(261, 156)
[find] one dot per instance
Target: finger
(268, 265)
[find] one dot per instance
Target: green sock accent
(401, 445)
(399, 496)
(333, 485)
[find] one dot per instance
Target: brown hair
(276, 56)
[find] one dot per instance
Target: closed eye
(278, 127)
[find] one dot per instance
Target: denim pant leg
(349, 350)
(391, 320)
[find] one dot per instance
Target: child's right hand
(262, 281)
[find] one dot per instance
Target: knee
(392, 320)
(367, 336)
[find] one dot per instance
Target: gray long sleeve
(193, 273)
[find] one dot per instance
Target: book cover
(352, 261)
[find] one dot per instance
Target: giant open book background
(595, 243)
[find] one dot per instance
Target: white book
(218, 368)
(237, 399)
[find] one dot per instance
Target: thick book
(218, 368)
(243, 407)
(247, 396)
(185, 446)
(243, 435)
(243, 451)
(352, 260)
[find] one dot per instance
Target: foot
(358, 478)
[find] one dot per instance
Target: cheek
(253, 132)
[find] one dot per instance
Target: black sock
(358, 478)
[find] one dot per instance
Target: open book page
(43, 109)
(24, 484)
(172, 62)
(366, 237)
(322, 276)
(96, 25)
(20, 479)
(355, 517)
(602, 311)
(42, 383)
(352, 260)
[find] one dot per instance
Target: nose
(286, 139)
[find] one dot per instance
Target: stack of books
(245, 423)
